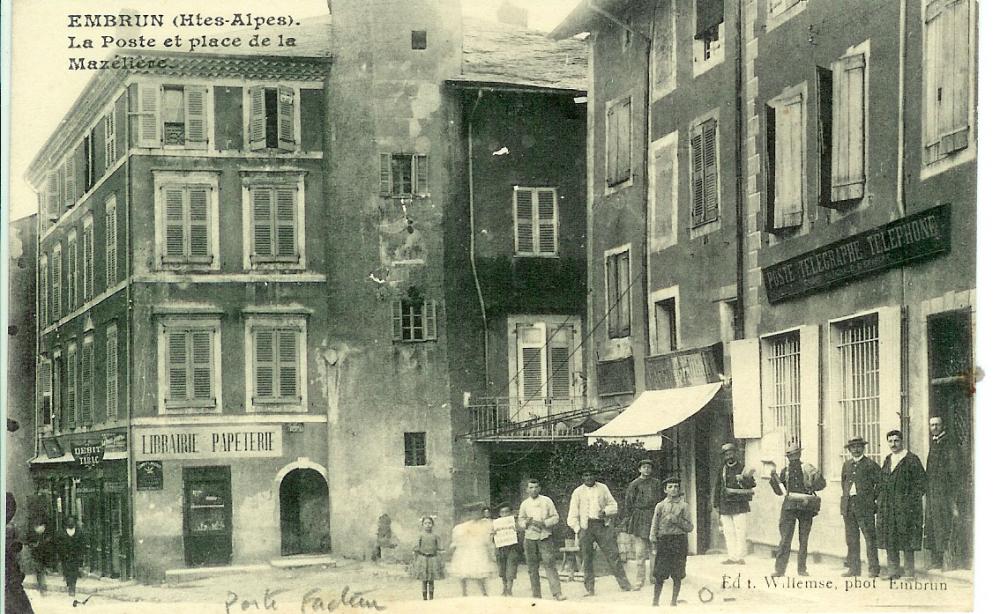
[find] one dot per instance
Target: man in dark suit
(900, 522)
(945, 484)
(72, 548)
(860, 479)
(798, 483)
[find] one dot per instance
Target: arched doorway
(305, 513)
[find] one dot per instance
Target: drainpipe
(472, 249)
(904, 350)
(740, 319)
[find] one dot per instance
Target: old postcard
(491, 305)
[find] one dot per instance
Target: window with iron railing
(785, 382)
(857, 347)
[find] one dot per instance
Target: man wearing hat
(636, 515)
(733, 505)
(798, 483)
(860, 480)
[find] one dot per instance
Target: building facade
(181, 329)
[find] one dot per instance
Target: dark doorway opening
(305, 513)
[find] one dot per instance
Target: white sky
(43, 89)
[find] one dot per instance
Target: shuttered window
(148, 116)
(414, 320)
(171, 115)
(70, 415)
(275, 225)
(618, 163)
(69, 181)
(45, 391)
(87, 382)
(190, 367)
(536, 215)
(403, 175)
(88, 259)
(110, 147)
(619, 299)
(704, 174)
(52, 196)
(849, 126)
(57, 282)
(415, 449)
(72, 273)
(111, 242)
(786, 161)
(43, 291)
(186, 223)
(272, 118)
(947, 65)
(543, 362)
(111, 373)
(276, 364)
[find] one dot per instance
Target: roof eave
(514, 87)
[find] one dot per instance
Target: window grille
(785, 406)
(857, 347)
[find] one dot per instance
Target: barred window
(858, 394)
(414, 449)
(785, 399)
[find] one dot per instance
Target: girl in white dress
(474, 557)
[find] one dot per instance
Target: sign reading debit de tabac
(184, 442)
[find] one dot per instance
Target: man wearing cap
(900, 521)
(590, 510)
(860, 479)
(798, 483)
(636, 515)
(734, 507)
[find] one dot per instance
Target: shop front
(85, 475)
(228, 494)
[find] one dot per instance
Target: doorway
(208, 516)
(305, 513)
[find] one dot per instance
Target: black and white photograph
(491, 306)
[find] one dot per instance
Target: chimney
(510, 13)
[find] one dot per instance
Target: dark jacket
(945, 482)
(801, 478)
(732, 477)
(636, 511)
(71, 549)
(900, 520)
(866, 476)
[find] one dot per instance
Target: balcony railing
(511, 418)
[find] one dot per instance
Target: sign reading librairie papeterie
(916, 236)
(189, 442)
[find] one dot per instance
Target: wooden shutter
(56, 284)
(788, 163)
(263, 227)
(420, 173)
(198, 222)
(51, 196)
(88, 262)
(69, 180)
(624, 168)
(697, 178)
(110, 151)
(956, 136)
(195, 116)
(611, 283)
(73, 270)
(531, 340)
(257, 131)
(288, 364)
(45, 391)
(173, 215)
(547, 221)
(523, 214)
(111, 379)
(71, 371)
(87, 384)
(43, 291)
(770, 165)
(286, 118)
(201, 364)
(149, 116)
(824, 133)
(611, 145)
(430, 320)
(848, 175)
(264, 362)
(709, 14)
(745, 357)
(285, 205)
(177, 365)
(560, 351)
(624, 293)
(385, 174)
(397, 320)
(711, 171)
(111, 242)
(947, 64)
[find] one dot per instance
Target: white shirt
(586, 504)
(854, 486)
(540, 509)
(896, 457)
(71, 532)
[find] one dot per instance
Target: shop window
(618, 277)
(414, 319)
(536, 217)
(414, 449)
(618, 142)
(403, 175)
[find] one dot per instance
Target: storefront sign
(684, 368)
(52, 447)
(916, 236)
(149, 475)
(615, 377)
(115, 441)
(88, 453)
(184, 442)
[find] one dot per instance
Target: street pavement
(352, 586)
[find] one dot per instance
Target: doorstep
(183, 574)
(304, 560)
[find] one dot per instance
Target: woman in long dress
(474, 557)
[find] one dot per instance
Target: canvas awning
(653, 412)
